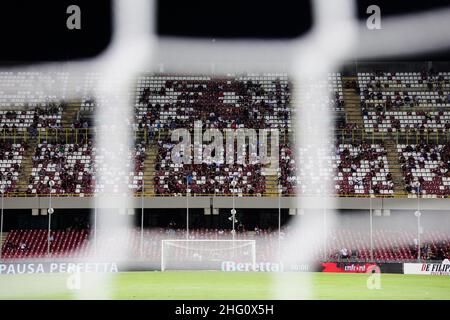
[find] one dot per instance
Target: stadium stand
(405, 101)
(33, 243)
(177, 101)
(32, 89)
(164, 102)
(342, 244)
(10, 164)
(426, 168)
(31, 120)
(205, 178)
(72, 167)
(392, 121)
(360, 169)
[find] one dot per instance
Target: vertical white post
(325, 255)
(1, 227)
(162, 256)
(371, 220)
(279, 218)
(418, 225)
(49, 212)
(187, 208)
(95, 230)
(233, 218)
(142, 222)
(254, 252)
(418, 238)
(279, 212)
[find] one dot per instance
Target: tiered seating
(426, 168)
(177, 101)
(73, 167)
(106, 91)
(359, 169)
(35, 119)
(385, 96)
(335, 98)
(87, 100)
(389, 245)
(251, 101)
(205, 178)
(362, 169)
(68, 165)
(422, 99)
(113, 176)
(32, 89)
(34, 243)
(393, 121)
(402, 80)
(11, 156)
(335, 87)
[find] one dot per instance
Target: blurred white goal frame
(235, 244)
(336, 36)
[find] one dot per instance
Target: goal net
(205, 254)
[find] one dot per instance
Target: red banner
(346, 267)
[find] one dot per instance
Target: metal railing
(354, 135)
(138, 194)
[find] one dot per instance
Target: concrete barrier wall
(226, 202)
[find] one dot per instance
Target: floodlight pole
(233, 217)
(49, 212)
(371, 219)
(1, 227)
(142, 221)
(187, 208)
(279, 216)
(325, 255)
(95, 230)
(418, 225)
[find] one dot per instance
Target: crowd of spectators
(426, 168)
(73, 167)
(217, 103)
(207, 177)
(10, 164)
(358, 168)
(31, 120)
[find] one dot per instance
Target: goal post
(205, 254)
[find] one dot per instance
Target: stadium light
(50, 211)
(233, 211)
(187, 207)
(418, 214)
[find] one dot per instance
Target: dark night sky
(34, 31)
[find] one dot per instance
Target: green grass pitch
(234, 285)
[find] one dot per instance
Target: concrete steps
(69, 115)
(149, 169)
(26, 167)
(3, 239)
(271, 185)
(394, 166)
(352, 104)
(352, 108)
